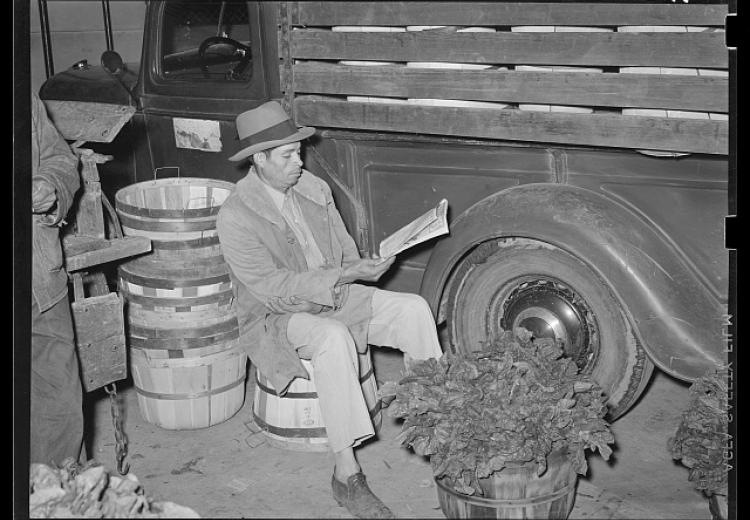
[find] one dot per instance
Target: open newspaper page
(432, 224)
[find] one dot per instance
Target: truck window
(208, 41)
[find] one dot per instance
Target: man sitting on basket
(294, 267)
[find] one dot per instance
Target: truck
(583, 148)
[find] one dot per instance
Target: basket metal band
(196, 395)
(128, 209)
(517, 502)
(208, 273)
(195, 243)
(181, 344)
(211, 331)
(184, 304)
(295, 433)
(165, 282)
(303, 395)
(168, 227)
(288, 395)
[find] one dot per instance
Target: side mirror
(112, 62)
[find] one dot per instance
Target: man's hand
(366, 269)
(292, 304)
(43, 196)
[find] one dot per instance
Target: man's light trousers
(399, 320)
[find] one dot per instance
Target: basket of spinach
(702, 441)
(515, 402)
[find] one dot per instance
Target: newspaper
(432, 224)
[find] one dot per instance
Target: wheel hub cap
(550, 309)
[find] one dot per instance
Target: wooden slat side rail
(109, 251)
(701, 93)
(505, 13)
(698, 50)
(681, 135)
(286, 73)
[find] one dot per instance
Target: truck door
(203, 63)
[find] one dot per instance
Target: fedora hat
(264, 127)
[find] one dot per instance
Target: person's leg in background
(56, 428)
(404, 321)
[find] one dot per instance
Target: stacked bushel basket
(185, 358)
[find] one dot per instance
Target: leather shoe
(356, 496)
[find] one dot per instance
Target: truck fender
(675, 318)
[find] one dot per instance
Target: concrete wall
(77, 32)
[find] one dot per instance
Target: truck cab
(584, 154)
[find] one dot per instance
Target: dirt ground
(222, 472)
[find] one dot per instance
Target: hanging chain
(121, 449)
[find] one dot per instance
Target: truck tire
(504, 284)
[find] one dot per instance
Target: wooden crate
(326, 90)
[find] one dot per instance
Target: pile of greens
(89, 491)
(701, 440)
(515, 402)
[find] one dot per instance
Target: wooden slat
(285, 66)
(681, 135)
(76, 244)
(505, 13)
(108, 252)
(708, 94)
(585, 49)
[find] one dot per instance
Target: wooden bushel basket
(294, 421)
(185, 393)
(100, 339)
(182, 325)
(517, 492)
